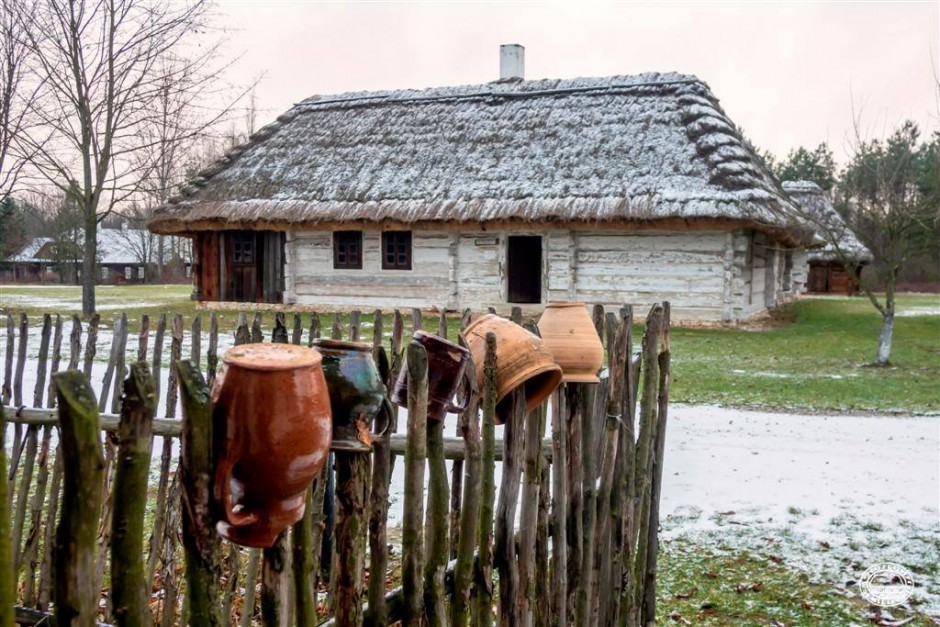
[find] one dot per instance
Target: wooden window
(243, 249)
(347, 250)
(396, 250)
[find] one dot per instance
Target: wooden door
(524, 269)
(245, 262)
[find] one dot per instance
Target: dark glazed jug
(272, 413)
(356, 392)
(446, 363)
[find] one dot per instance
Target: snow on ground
(831, 495)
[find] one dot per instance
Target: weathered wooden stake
(83, 474)
(415, 457)
(504, 545)
(7, 578)
(6, 393)
(303, 565)
(352, 490)
(91, 345)
(200, 540)
(644, 447)
(129, 594)
(559, 600)
(483, 572)
(469, 511)
(437, 525)
(648, 612)
(275, 583)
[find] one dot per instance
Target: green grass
(814, 360)
(708, 586)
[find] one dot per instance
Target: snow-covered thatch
(817, 210)
(29, 252)
(622, 148)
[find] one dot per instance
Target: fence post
(415, 456)
(129, 595)
(378, 499)
(483, 575)
(83, 474)
(200, 540)
(644, 449)
(648, 611)
(504, 545)
(7, 581)
(470, 509)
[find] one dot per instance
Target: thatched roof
(627, 148)
(817, 210)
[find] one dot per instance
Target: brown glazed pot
(272, 413)
(446, 363)
(521, 359)
(568, 330)
(356, 392)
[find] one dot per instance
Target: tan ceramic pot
(569, 332)
(271, 409)
(521, 359)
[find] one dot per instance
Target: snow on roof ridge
(509, 88)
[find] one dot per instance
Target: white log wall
(715, 276)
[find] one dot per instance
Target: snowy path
(829, 494)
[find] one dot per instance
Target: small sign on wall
(486, 241)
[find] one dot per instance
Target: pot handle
(385, 411)
(223, 491)
(456, 408)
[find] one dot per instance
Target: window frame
(347, 265)
(404, 243)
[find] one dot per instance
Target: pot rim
(251, 357)
(439, 339)
(327, 343)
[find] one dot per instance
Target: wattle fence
(100, 532)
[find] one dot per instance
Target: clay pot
(446, 363)
(356, 392)
(522, 358)
(568, 330)
(271, 411)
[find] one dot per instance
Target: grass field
(813, 358)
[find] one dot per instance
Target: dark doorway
(524, 269)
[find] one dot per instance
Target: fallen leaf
(677, 617)
(711, 574)
(776, 559)
(687, 595)
(730, 512)
(806, 605)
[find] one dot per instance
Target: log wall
(706, 275)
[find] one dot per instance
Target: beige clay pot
(521, 359)
(569, 332)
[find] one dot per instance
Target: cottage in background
(605, 190)
(823, 267)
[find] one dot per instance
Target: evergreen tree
(816, 165)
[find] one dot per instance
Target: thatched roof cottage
(824, 266)
(605, 190)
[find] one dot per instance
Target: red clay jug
(272, 412)
(446, 363)
(522, 358)
(568, 330)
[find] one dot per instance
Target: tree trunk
(89, 266)
(887, 333)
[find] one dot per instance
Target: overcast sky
(788, 73)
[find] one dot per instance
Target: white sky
(788, 73)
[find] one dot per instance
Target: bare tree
(99, 65)
(14, 104)
(889, 195)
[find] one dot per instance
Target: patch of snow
(918, 311)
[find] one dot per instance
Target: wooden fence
(570, 538)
